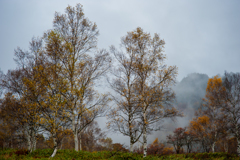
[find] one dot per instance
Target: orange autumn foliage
(157, 148)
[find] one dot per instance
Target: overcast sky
(201, 36)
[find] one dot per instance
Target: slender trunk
(215, 137)
(225, 145)
(80, 140)
(144, 135)
(189, 145)
(61, 143)
(238, 140)
(34, 141)
(189, 149)
(130, 128)
(76, 140)
(213, 146)
(238, 146)
(131, 147)
(55, 146)
(54, 152)
(75, 134)
(28, 141)
(131, 137)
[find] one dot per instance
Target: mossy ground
(11, 154)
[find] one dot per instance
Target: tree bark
(29, 141)
(54, 152)
(213, 147)
(144, 135)
(238, 146)
(131, 147)
(55, 147)
(34, 141)
(237, 135)
(214, 143)
(238, 140)
(75, 133)
(80, 140)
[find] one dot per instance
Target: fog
(201, 37)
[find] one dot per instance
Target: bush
(21, 152)
(221, 155)
(41, 153)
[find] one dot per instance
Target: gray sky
(201, 36)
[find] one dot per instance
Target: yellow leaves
(155, 142)
(215, 97)
(215, 90)
(68, 46)
(168, 150)
(204, 120)
(213, 83)
(42, 121)
(201, 126)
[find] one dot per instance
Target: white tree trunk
(29, 141)
(213, 147)
(144, 135)
(34, 141)
(215, 134)
(76, 139)
(238, 146)
(54, 152)
(215, 137)
(80, 140)
(131, 147)
(75, 134)
(55, 147)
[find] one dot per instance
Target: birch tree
(125, 117)
(231, 108)
(54, 115)
(201, 127)
(213, 102)
(24, 84)
(153, 80)
(81, 68)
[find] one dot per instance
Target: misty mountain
(189, 93)
(191, 90)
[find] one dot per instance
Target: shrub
(21, 152)
(221, 155)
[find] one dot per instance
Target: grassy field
(11, 154)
